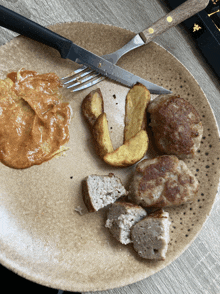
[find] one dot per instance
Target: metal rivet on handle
(151, 30)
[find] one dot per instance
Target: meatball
(176, 126)
(163, 181)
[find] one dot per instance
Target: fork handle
(21, 25)
(176, 16)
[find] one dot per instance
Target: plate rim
(63, 287)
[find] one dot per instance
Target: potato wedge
(93, 106)
(137, 101)
(101, 135)
(130, 152)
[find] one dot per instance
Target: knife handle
(21, 25)
(176, 16)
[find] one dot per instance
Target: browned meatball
(163, 181)
(176, 126)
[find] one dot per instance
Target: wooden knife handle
(176, 16)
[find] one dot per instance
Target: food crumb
(79, 209)
(114, 96)
(111, 174)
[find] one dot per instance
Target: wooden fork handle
(176, 16)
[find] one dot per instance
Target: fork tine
(79, 82)
(87, 85)
(75, 72)
(78, 77)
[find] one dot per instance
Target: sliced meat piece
(150, 236)
(121, 217)
(100, 191)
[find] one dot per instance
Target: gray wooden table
(181, 276)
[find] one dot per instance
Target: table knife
(19, 24)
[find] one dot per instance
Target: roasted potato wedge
(130, 152)
(137, 101)
(93, 106)
(101, 135)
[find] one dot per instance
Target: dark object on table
(204, 27)
(11, 281)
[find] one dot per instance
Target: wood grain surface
(197, 271)
(173, 18)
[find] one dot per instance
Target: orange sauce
(34, 122)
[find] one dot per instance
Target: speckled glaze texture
(42, 237)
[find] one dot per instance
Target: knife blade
(108, 69)
(20, 24)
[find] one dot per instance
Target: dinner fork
(85, 77)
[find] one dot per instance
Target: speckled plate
(42, 237)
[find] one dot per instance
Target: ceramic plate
(42, 237)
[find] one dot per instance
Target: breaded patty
(176, 126)
(163, 181)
